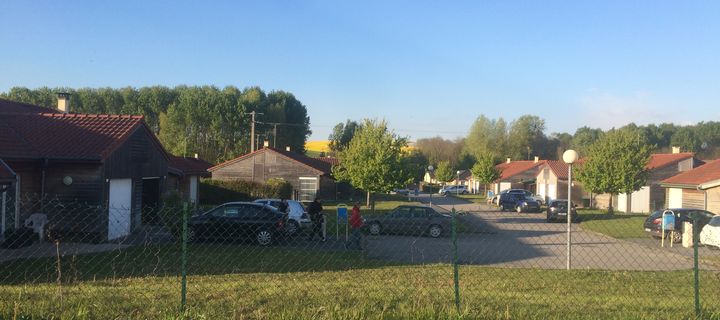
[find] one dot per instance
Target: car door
(420, 220)
(398, 221)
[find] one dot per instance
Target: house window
(308, 188)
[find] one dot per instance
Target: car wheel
(292, 228)
(435, 231)
(518, 209)
(375, 228)
(264, 237)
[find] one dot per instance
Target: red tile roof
(508, 170)
(660, 160)
(314, 163)
(8, 106)
(708, 172)
(65, 136)
(190, 166)
(6, 174)
(331, 160)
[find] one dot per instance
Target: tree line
(207, 120)
(526, 137)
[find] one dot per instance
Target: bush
(171, 213)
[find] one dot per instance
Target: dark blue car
(518, 202)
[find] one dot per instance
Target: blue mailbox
(668, 220)
(342, 215)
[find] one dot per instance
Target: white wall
(675, 197)
(622, 202)
(640, 202)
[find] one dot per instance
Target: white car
(710, 234)
(298, 218)
(453, 190)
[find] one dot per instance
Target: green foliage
(206, 120)
(437, 149)
(484, 169)
(584, 137)
(373, 159)
(415, 163)
(171, 213)
(527, 138)
(616, 163)
(342, 135)
(444, 172)
(487, 137)
(214, 192)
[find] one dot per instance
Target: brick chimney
(63, 103)
(675, 150)
(266, 143)
(508, 160)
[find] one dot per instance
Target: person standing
(315, 211)
(356, 225)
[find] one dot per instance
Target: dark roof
(65, 136)
(190, 166)
(8, 106)
(331, 160)
(660, 160)
(6, 174)
(513, 168)
(314, 163)
(708, 172)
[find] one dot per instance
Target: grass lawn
(618, 225)
(246, 282)
(475, 198)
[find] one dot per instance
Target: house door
(120, 207)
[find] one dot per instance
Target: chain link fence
(418, 257)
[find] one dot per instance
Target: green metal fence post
(455, 261)
(183, 267)
(696, 237)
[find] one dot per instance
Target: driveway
(509, 239)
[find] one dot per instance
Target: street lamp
(569, 156)
(430, 169)
(457, 189)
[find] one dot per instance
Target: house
(184, 176)
(552, 182)
(111, 163)
(463, 179)
(517, 175)
(652, 196)
(697, 188)
(429, 177)
(309, 177)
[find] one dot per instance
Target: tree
(487, 136)
(437, 149)
(341, 135)
(527, 138)
(415, 163)
(686, 139)
(373, 159)
(616, 163)
(444, 172)
(583, 138)
(484, 170)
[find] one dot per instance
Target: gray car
(410, 220)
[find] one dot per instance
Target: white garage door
(120, 208)
(640, 202)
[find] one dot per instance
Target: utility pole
(252, 129)
(274, 134)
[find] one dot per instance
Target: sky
(429, 68)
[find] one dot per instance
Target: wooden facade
(309, 177)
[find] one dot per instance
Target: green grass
(618, 225)
(475, 198)
(246, 282)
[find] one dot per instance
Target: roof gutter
(708, 185)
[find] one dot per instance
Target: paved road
(510, 239)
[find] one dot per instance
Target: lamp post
(569, 157)
(457, 190)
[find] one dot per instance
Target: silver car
(410, 220)
(298, 218)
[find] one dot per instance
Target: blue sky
(429, 68)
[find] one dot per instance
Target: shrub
(171, 213)
(221, 191)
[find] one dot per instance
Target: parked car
(496, 198)
(410, 220)
(557, 211)
(402, 191)
(518, 202)
(453, 190)
(298, 219)
(710, 234)
(235, 221)
(653, 223)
